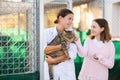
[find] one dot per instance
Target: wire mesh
(16, 38)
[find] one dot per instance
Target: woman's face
(67, 21)
(96, 29)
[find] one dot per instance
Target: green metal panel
(26, 76)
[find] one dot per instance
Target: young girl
(65, 70)
(98, 52)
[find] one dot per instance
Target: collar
(98, 43)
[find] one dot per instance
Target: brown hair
(105, 35)
(63, 13)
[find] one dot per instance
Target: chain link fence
(18, 54)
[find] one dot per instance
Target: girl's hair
(63, 13)
(105, 34)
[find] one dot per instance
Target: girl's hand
(76, 38)
(49, 60)
(95, 57)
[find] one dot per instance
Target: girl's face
(96, 29)
(66, 21)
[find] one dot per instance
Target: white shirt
(64, 70)
(98, 43)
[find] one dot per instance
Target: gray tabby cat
(63, 39)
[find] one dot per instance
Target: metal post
(103, 7)
(18, 24)
(70, 4)
(41, 21)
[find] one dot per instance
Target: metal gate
(19, 40)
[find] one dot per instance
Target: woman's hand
(76, 38)
(95, 57)
(50, 60)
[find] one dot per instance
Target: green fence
(15, 56)
(25, 76)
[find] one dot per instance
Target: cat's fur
(63, 39)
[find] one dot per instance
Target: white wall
(116, 19)
(95, 10)
(112, 14)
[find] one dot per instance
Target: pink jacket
(95, 69)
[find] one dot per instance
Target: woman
(65, 70)
(98, 52)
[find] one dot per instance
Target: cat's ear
(65, 30)
(74, 31)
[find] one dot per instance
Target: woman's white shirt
(64, 70)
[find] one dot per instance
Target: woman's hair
(63, 13)
(105, 34)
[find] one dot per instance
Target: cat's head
(69, 36)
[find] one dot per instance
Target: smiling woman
(64, 21)
(98, 52)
